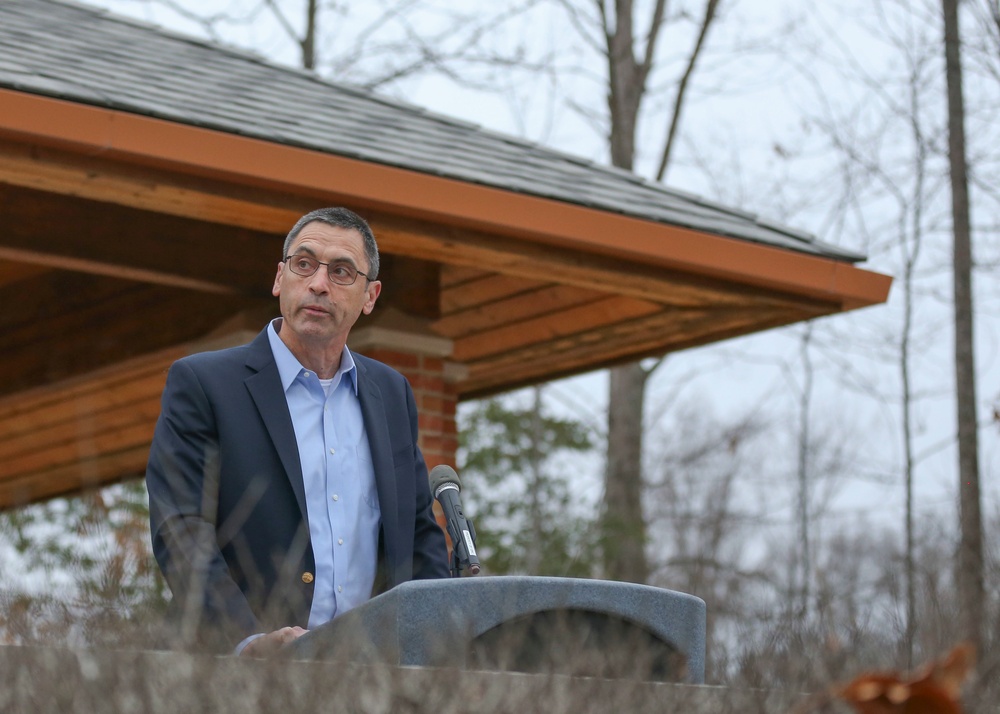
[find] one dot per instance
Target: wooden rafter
(618, 342)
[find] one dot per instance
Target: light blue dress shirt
(339, 480)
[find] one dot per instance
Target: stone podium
(527, 624)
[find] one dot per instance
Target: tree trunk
(623, 535)
(970, 551)
(805, 402)
(533, 561)
(626, 87)
(911, 251)
(308, 43)
(624, 528)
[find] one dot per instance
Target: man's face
(317, 312)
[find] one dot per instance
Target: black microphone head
(441, 475)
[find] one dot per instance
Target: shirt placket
(335, 500)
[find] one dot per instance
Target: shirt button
(340, 588)
(340, 541)
(307, 578)
(333, 451)
(335, 497)
(306, 374)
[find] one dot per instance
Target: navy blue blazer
(227, 504)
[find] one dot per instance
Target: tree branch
(711, 7)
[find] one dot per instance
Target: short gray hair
(338, 218)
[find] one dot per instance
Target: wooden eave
(126, 241)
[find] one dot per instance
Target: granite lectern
(528, 624)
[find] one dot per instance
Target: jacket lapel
(377, 430)
(265, 389)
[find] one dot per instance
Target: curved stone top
(432, 622)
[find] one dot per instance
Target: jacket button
(307, 578)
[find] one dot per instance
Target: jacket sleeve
(209, 610)
(430, 552)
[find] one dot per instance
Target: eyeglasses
(339, 272)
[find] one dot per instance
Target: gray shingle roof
(84, 54)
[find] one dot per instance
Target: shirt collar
(289, 366)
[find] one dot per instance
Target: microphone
(446, 487)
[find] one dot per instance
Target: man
(285, 483)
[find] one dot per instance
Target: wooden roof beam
(101, 180)
(124, 242)
(146, 142)
(626, 341)
(64, 324)
(88, 430)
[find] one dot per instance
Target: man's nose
(319, 282)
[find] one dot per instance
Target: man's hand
(267, 645)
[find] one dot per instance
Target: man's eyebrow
(339, 259)
(345, 259)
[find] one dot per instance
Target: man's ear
(373, 290)
(276, 288)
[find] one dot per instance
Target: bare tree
(306, 40)
(631, 55)
(892, 155)
(373, 45)
(700, 476)
(909, 194)
(803, 471)
(911, 235)
(984, 49)
(970, 555)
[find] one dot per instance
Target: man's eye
(341, 270)
(304, 264)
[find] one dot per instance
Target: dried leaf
(933, 689)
